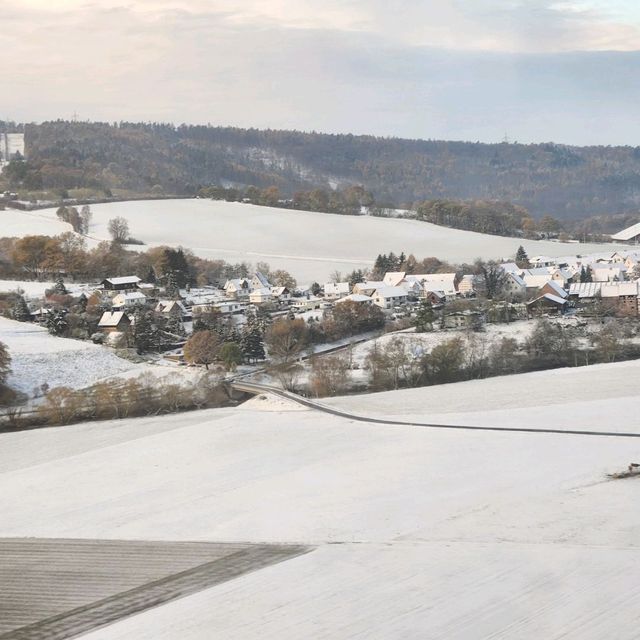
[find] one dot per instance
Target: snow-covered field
(309, 245)
(33, 289)
(420, 533)
(38, 357)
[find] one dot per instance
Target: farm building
(630, 234)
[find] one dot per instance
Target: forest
(567, 183)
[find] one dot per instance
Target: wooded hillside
(565, 182)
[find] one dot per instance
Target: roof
(336, 287)
(516, 278)
(559, 291)
(537, 281)
(131, 295)
(393, 278)
(262, 279)
(627, 234)
(370, 284)
(391, 292)
(354, 297)
(123, 280)
(112, 318)
(617, 289)
(550, 297)
(585, 289)
(263, 291)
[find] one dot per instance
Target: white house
(609, 273)
(357, 298)
(367, 287)
(172, 308)
(259, 281)
(237, 288)
(514, 285)
(467, 285)
(389, 297)
(308, 304)
(128, 300)
(336, 290)
(393, 278)
(260, 296)
(445, 282)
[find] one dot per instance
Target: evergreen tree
(59, 287)
(82, 302)
(522, 259)
(57, 324)
(174, 326)
(20, 310)
(425, 317)
(145, 335)
(252, 345)
(151, 276)
(172, 290)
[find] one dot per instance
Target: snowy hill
(419, 533)
(309, 245)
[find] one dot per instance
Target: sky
(530, 70)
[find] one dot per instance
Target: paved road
(59, 589)
(255, 388)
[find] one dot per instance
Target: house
(336, 290)
(609, 273)
(389, 297)
(281, 293)
(630, 234)
(445, 282)
(228, 307)
(623, 295)
(173, 308)
(554, 289)
(467, 285)
(367, 287)
(259, 281)
(112, 321)
(436, 298)
(308, 304)
(128, 300)
(514, 286)
(261, 295)
(467, 319)
(237, 288)
(124, 283)
(546, 303)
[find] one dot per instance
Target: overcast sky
(535, 70)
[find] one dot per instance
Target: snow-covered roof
(627, 234)
(516, 278)
(262, 279)
(354, 297)
(537, 280)
(550, 297)
(279, 291)
(615, 290)
(559, 291)
(336, 287)
(585, 289)
(131, 295)
(165, 306)
(264, 292)
(390, 292)
(511, 267)
(111, 318)
(123, 280)
(393, 278)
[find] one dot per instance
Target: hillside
(413, 532)
(566, 182)
(311, 246)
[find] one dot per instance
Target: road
(256, 389)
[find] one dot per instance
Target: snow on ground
(36, 289)
(309, 245)
(38, 357)
(420, 533)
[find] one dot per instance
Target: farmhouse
(128, 300)
(546, 303)
(124, 283)
(336, 290)
(630, 234)
(112, 321)
(514, 286)
(389, 297)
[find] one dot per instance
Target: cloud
(450, 69)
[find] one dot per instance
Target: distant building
(11, 145)
(123, 283)
(630, 234)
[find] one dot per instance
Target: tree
(202, 347)
(493, 275)
(230, 355)
(85, 217)
(20, 310)
(145, 335)
(282, 278)
(522, 259)
(445, 363)
(286, 340)
(59, 287)
(252, 347)
(329, 375)
(5, 363)
(425, 317)
(30, 253)
(119, 229)
(57, 323)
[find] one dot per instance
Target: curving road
(255, 388)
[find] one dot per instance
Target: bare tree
(202, 347)
(119, 229)
(85, 218)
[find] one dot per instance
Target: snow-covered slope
(421, 533)
(38, 357)
(309, 245)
